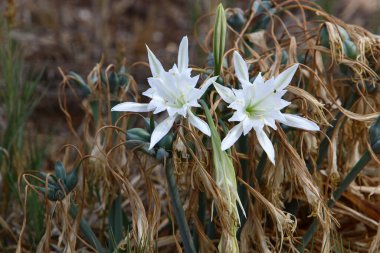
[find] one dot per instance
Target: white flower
(258, 104)
(172, 91)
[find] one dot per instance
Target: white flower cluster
(256, 105)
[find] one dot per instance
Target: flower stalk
(226, 180)
(179, 213)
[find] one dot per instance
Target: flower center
(250, 110)
(253, 112)
(180, 101)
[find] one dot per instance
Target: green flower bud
(343, 33)
(324, 37)
(166, 142)
(350, 49)
(60, 171)
(113, 81)
(236, 20)
(138, 134)
(77, 79)
(161, 154)
(141, 145)
(72, 179)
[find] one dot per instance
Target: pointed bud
(138, 134)
(60, 171)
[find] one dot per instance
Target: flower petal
(245, 84)
(163, 87)
(206, 84)
(225, 93)
(183, 54)
(232, 136)
(248, 124)
(299, 122)
(161, 130)
(198, 123)
(131, 107)
(238, 116)
(259, 79)
(284, 78)
(154, 64)
(241, 68)
(265, 143)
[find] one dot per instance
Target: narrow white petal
(225, 93)
(149, 92)
(245, 84)
(265, 143)
(238, 116)
(259, 79)
(131, 107)
(163, 88)
(207, 84)
(172, 111)
(241, 68)
(247, 126)
(159, 108)
(232, 136)
(300, 122)
(284, 78)
(154, 64)
(198, 123)
(183, 54)
(161, 130)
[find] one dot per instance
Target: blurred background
(76, 34)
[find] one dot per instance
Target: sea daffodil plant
(172, 91)
(259, 104)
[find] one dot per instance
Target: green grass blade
(86, 230)
(115, 220)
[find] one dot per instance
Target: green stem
(86, 230)
(243, 148)
(179, 213)
(366, 157)
(201, 216)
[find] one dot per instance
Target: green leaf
(85, 228)
(219, 40)
(115, 222)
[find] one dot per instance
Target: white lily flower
(172, 91)
(258, 104)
